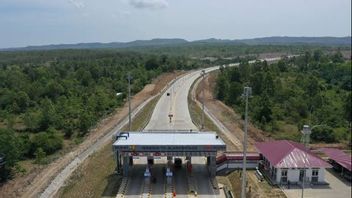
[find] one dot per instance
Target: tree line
(314, 88)
(49, 96)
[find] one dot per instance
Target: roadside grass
(286, 131)
(254, 188)
(96, 177)
(196, 116)
(196, 113)
(142, 118)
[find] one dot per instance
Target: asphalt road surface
(173, 102)
(172, 113)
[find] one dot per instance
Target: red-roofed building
(284, 161)
(340, 160)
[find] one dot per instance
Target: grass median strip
(196, 116)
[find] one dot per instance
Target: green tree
(282, 65)
(33, 120)
(257, 80)
(86, 121)
(264, 113)
(10, 148)
(317, 54)
(244, 70)
(348, 108)
(221, 87)
(49, 141)
(22, 100)
(152, 63)
(235, 91)
(337, 57)
(39, 156)
(323, 134)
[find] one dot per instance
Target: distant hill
(112, 45)
(327, 41)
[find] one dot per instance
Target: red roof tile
(288, 154)
(338, 156)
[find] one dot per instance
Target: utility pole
(203, 74)
(247, 92)
(306, 131)
(129, 100)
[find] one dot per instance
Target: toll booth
(166, 144)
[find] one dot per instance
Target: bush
(49, 141)
(323, 134)
(9, 147)
(39, 156)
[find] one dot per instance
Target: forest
(314, 89)
(51, 97)
(47, 97)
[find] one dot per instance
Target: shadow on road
(339, 177)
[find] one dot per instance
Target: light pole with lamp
(129, 78)
(203, 74)
(247, 92)
(306, 131)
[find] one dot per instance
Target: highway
(172, 113)
(177, 105)
(174, 101)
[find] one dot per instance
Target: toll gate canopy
(168, 143)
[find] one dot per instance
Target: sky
(41, 22)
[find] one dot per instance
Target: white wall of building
(293, 175)
(278, 175)
(321, 175)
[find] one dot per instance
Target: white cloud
(77, 3)
(149, 4)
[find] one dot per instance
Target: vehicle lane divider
(123, 188)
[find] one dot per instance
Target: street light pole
(129, 100)
(306, 131)
(247, 93)
(203, 74)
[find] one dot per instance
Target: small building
(340, 161)
(284, 162)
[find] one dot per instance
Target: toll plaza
(166, 144)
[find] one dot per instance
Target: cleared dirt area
(226, 115)
(34, 182)
(232, 121)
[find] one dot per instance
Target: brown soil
(227, 115)
(39, 177)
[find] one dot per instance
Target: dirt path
(33, 183)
